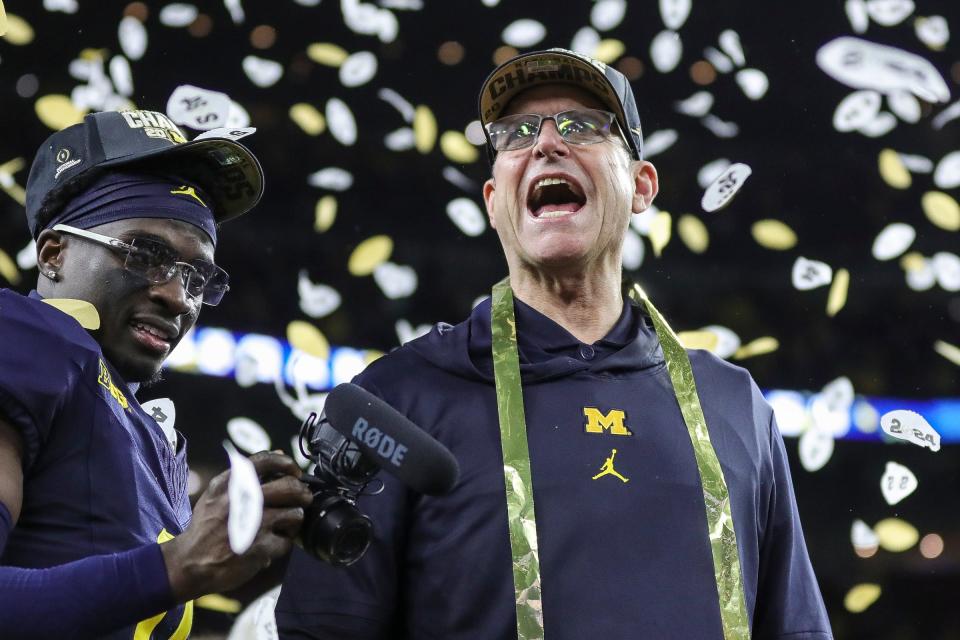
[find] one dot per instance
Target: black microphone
(385, 436)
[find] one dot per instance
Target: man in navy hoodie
(613, 485)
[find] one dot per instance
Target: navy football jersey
(622, 529)
(100, 477)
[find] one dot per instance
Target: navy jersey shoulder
(99, 475)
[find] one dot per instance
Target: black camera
(333, 529)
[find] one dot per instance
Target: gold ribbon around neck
(519, 485)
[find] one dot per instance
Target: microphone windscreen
(390, 439)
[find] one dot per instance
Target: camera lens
(335, 531)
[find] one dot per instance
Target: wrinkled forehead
(552, 98)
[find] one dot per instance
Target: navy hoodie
(622, 528)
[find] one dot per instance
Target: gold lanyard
(519, 486)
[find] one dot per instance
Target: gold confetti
(80, 310)
(308, 118)
(217, 602)
(896, 535)
(659, 233)
(372, 355)
(861, 597)
(757, 347)
(424, 129)
(369, 255)
(838, 292)
(608, 50)
(8, 268)
(8, 184)
(942, 210)
(57, 111)
(307, 338)
(92, 55)
(16, 30)
(327, 53)
(893, 171)
(457, 148)
(913, 261)
(698, 340)
(948, 351)
(773, 234)
(3, 20)
(325, 213)
(693, 233)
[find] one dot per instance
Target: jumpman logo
(184, 190)
(607, 468)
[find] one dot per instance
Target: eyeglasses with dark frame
(575, 126)
(158, 263)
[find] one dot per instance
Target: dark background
(822, 183)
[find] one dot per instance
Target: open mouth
(555, 197)
(154, 336)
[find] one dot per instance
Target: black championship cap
(560, 66)
(70, 159)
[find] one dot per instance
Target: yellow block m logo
(612, 421)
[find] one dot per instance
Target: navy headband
(121, 195)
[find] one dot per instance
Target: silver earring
(50, 274)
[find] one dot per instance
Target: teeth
(546, 182)
(555, 214)
(152, 331)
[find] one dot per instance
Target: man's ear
(50, 245)
(489, 190)
(645, 185)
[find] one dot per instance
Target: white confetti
(881, 125)
(398, 102)
(368, 19)
(400, 139)
(262, 72)
(332, 178)
(633, 250)
(947, 115)
(65, 6)
(697, 105)
(230, 133)
(396, 281)
(721, 63)
(897, 483)
(915, 163)
(893, 241)
(245, 501)
(910, 426)
(947, 173)
(237, 117)
(946, 267)
(258, 620)
(861, 64)
(585, 41)
(458, 179)
(789, 410)
(674, 13)
(830, 409)
(403, 5)
(248, 435)
(888, 13)
(178, 14)
(659, 141)
(810, 274)
(607, 14)
(862, 536)
(198, 108)
(358, 69)
(856, 11)
(720, 128)
(133, 37)
(666, 49)
(724, 187)
(856, 110)
(316, 300)
(727, 341)
(932, 31)
(236, 11)
(923, 278)
(753, 82)
(815, 448)
(407, 332)
(246, 370)
(711, 171)
(524, 33)
(465, 213)
(27, 257)
(904, 105)
(730, 43)
(121, 75)
(341, 122)
(474, 133)
(164, 413)
(641, 222)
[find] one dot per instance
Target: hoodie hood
(547, 350)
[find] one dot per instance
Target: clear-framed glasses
(157, 262)
(576, 126)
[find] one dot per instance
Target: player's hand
(200, 561)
